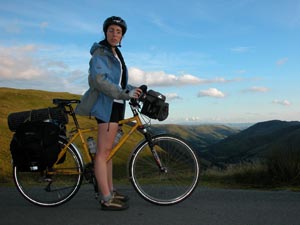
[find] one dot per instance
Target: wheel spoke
(53, 187)
(170, 186)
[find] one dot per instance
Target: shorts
(117, 113)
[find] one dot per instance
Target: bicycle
(163, 169)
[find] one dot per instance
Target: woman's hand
(135, 93)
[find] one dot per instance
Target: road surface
(207, 206)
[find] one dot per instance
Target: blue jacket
(104, 77)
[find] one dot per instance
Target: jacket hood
(102, 44)
(94, 47)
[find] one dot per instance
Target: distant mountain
(216, 144)
(200, 136)
(254, 143)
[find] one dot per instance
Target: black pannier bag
(35, 146)
(154, 106)
(55, 114)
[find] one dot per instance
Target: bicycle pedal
(48, 179)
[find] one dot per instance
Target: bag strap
(49, 113)
(29, 117)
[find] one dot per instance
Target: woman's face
(114, 35)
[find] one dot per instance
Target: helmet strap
(105, 42)
(119, 45)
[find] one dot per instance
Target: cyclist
(105, 100)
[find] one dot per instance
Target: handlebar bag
(154, 106)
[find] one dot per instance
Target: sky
(216, 61)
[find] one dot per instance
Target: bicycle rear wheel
(53, 187)
(173, 184)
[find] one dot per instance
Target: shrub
(284, 164)
(240, 175)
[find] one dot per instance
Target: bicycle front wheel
(178, 178)
(54, 186)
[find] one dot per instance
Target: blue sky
(234, 61)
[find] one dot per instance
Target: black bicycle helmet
(116, 21)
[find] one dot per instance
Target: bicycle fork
(149, 139)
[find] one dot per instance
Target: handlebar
(135, 102)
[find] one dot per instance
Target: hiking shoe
(114, 205)
(120, 197)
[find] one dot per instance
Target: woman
(105, 100)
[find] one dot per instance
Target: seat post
(72, 113)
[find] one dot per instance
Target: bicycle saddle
(59, 101)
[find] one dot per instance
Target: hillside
(199, 136)
(256, 142)
(16, 100)
(216, 144)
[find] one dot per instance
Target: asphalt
(206, 206)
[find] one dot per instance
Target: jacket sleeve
(105, 86)
(99, 79)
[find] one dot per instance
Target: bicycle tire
(54, 188)
(164, 187)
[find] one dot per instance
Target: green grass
(280, 171)
(16, 100)
(246, 176)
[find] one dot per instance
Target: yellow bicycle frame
(79, 132)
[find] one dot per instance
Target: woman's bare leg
(103, 169)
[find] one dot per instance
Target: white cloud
(44, 25)
(17, 63)
(172, 96)
(282, 102)
(160, 78)
(23, 67)
(192, 119)
(241, 49)
(256, 89)
(50, 68)
(282, 61)
(241, 71)
(211, 92)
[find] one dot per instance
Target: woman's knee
(103, 153)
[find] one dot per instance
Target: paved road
(205, 207)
